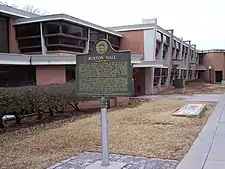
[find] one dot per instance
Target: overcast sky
(201, 21)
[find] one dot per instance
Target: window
(97, 35)
(190, 74)
(177, 54)
(159, 36)
(172, 76)
(4, 35)
(91, 45)
(29, 42)
(166, 39)
(114, 40)
(185, 73)
(65, 48)
(164, 75)
(164, 55)
(51, 27)
(178, 45)
(72, 41)
(177, 73)
(165, 49)
(28, 30)
(30, 50)
(156, 76)
(75, 30)
(70, 73)
(174, 43)
(201, 59)
(17, 75)
(52, 40)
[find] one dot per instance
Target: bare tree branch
(28, 8)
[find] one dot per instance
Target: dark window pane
(70, 73)
(72, 41)
(4, 35)
(157, 72)
(29, 42)
(17, 75)
(51, 27)
(52, 40)
(91, 45)
(28, 30)
(29, 50)
(114, 40)
(97, 35)
(73, 29)
(52, 48)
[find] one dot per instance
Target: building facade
(40, 50)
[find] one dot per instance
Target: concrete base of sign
(191, 110)
(112, 165)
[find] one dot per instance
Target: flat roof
(133, 27)
(65, 17)
(16, 12)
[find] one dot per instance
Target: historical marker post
(104, 73)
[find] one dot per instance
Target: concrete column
(43, 46)
(181, 48)
(188, 59)
(149, 79)
(170, 57)
(150, 40)
(86, 49)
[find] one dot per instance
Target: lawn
(147, 130)
(198, 88)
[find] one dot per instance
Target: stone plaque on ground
(191, 110)
(104, 71)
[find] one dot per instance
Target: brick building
(42, 49)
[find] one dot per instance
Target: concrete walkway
(208, 150)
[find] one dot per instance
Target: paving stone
(85, 159)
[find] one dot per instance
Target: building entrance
(219, 76)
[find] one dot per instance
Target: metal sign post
(104, 72)
(104, 132)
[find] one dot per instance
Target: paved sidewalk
(208, 150)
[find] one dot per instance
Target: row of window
(160, 73)
(164, 52)
(59, 34)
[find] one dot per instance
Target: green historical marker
(102, 73)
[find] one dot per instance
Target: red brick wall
(13, 45)
(50, 74)
(133, 40)
(216, 60)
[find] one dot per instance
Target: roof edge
(65, 17)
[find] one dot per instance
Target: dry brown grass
(148, 130)
(198, 88)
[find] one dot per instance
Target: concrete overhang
(148, 64)
(49, 59)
